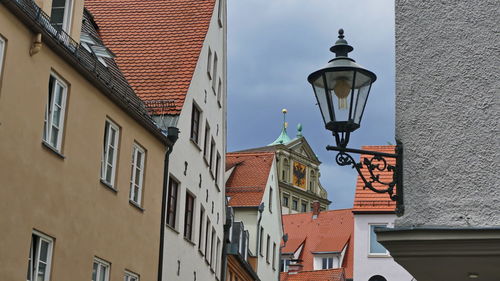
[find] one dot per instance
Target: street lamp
(341, 89)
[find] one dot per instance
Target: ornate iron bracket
(376, 164)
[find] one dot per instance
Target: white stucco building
(372, 262)
(253, 193)
(173, 53)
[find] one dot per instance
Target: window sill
(172, 228)
(195, 144)
(217, 186)
(109, 186)
(52, 149)
(137, 206)
(190, 242)
(209, 74)
(379, 256)
(201, 253)
(205, 160)
(212, 270)
(219, 104)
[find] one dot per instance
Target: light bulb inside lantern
(342, 89)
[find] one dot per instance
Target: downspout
(172, 136)
(261, 209)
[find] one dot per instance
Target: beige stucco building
(81, 170)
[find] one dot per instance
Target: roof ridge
(250, 153)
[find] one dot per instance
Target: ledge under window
(189, 241)
(136, 205)
(172, 228)
(195, 144)
(52, 149)
(109, 186)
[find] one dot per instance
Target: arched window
(312, 181)
(377, 278)
(285, 176)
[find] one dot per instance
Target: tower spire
(283, 138)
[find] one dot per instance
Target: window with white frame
(54, 112)
(100, 270)
(110, 151)
(40, 257)
(284, 264)
(195, 123)
(327, 263)
(2, 53)
(219, 92)
(375, 247)
(137, 177)
(212, 246)
(209, 63)
(206, 140)
(217, 256)
(129, 276)
(217, 168)
(214, 73)
(207, 240)
(60, 15)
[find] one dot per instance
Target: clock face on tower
(299, 175)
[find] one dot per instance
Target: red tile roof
(315, 275)
(366, 200)
(157, 43)
(331, 231)
(247, 182)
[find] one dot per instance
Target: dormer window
(93, 46)
(101, 52)
(327, 260)
(60, 15)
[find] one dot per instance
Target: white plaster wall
(447, 111)
(177, 249)
(272, 224)
(366, 266)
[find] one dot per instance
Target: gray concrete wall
(447, 111)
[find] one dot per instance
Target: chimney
(316, 209)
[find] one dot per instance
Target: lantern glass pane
(319, 90)
(361, 97)
(340, 85)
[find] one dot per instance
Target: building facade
(177, 63)
(298, 172)
(253, 193)
(447, 119)
(318, 241)
(372, 262)
(80, 167)
(240, 265)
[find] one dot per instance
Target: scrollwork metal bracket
(376, 164)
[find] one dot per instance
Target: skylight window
(93, 46)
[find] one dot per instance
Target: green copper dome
(283, 138)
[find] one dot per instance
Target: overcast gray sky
(273, 45)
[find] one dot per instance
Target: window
(267, 247)
(270, 199)
(327, 263)
(217, 168)
(54, 112)
(129, 276)
(285, 200)
(209, 63)
(219, 91)
(375, 247)
(188, 216)
(214, 73)
(207, 239)
(60, 16)
(261, 239)
(137, 177)
(100, 270)
(312, 180)
(274, 255)
(2, 53)
(195, 124)
(212, 245)
(173, 188)
(295, 204)
(284, 265)
(220, 13)
(217, 256)
(40, 257)
(206, 142)
(303, 207)
(285, 175)
(200, 234)
(212, 150)
(108, 165)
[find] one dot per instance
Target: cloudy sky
(273, 45)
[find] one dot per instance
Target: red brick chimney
(316, 209)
